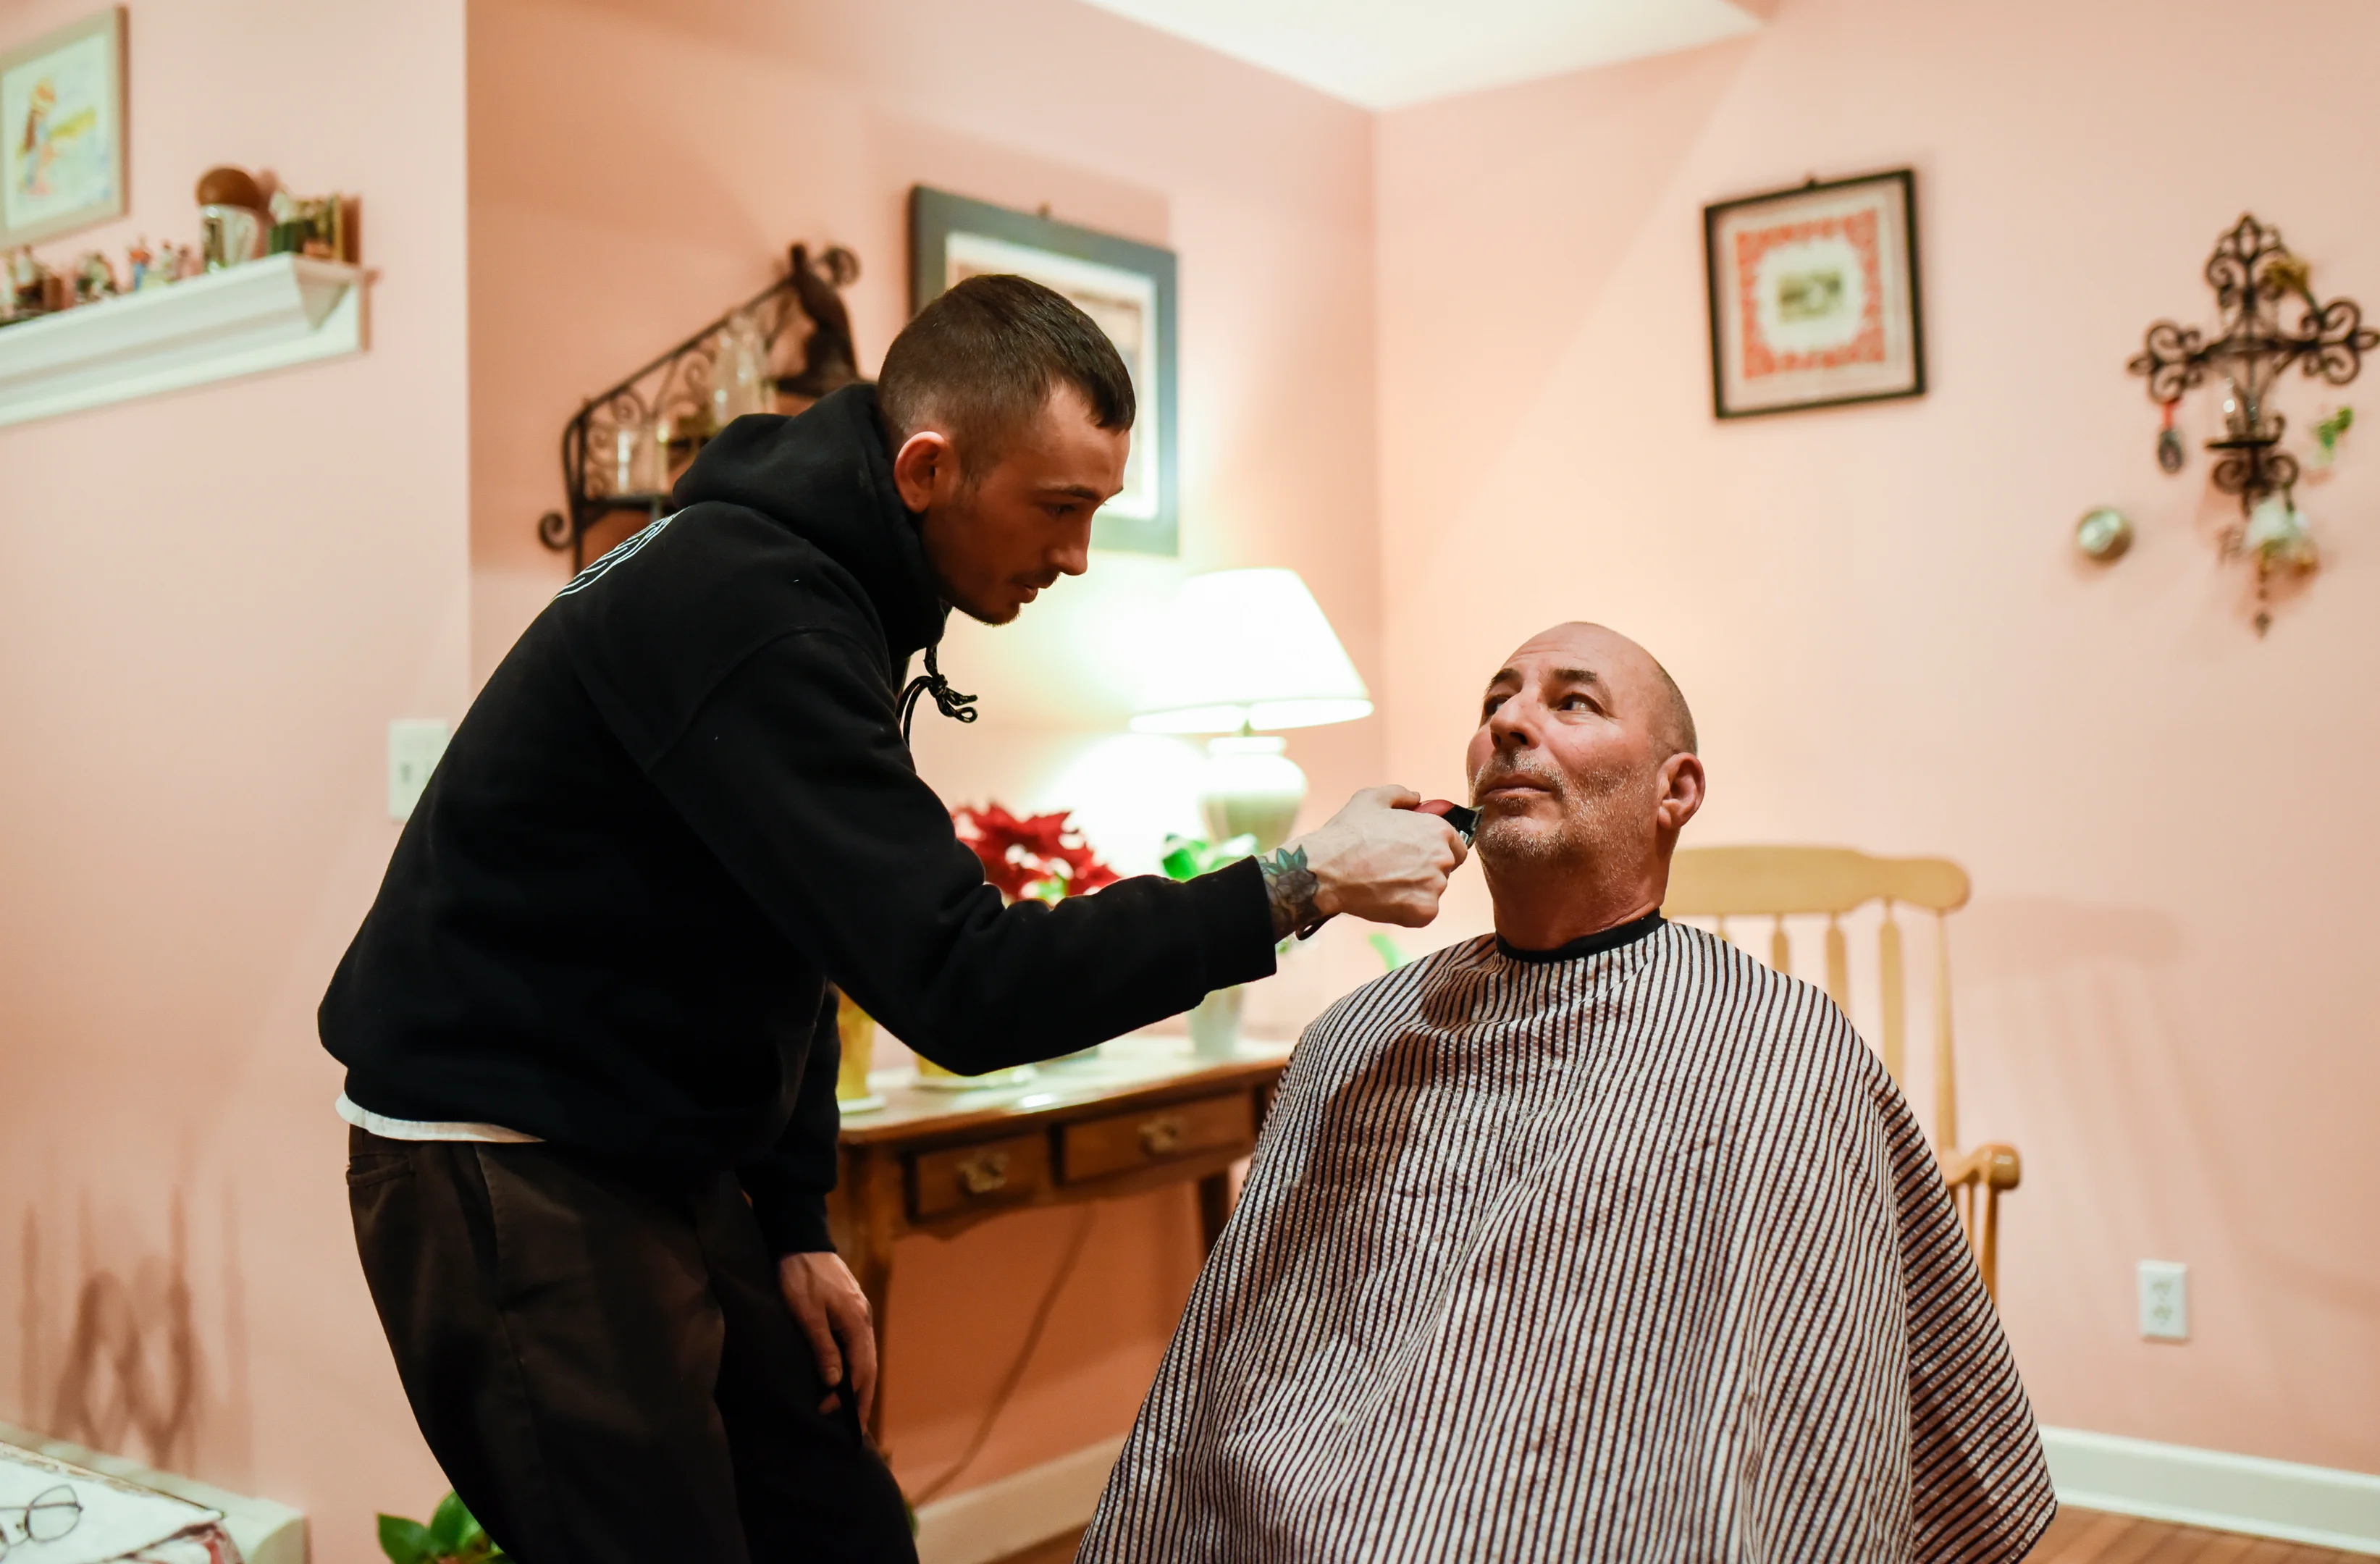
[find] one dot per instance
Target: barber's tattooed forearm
(1292, 887)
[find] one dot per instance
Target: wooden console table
(1144, 1114)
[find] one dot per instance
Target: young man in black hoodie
(590, 1049)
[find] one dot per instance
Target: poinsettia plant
(453, 1536)
(1041, 856)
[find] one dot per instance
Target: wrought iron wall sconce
(2256, 280)
(623, 450)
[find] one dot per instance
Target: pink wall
(211, 604)
(216, 599)
(635, 166)
(1890, 641)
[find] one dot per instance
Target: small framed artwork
(62, 130)
(1813, 297)
(1126, 286)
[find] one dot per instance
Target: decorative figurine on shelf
(232, 218)
(94, 279)
(2257, 283)
(829, 362)
(172, 262)
(33, 288)
(155, 268)
(314, 226)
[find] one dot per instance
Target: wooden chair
(1781, 882)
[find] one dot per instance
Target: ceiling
(1389, 53)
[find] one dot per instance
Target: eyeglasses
(50, 1515)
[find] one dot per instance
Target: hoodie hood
(824, 476)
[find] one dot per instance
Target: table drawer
(1096, 1148)
(968, 1178)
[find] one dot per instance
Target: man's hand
(833, 1312)
(1378, 858)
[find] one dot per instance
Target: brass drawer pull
(984, 1174)
(1163, 1138)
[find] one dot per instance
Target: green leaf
(1186, 857)
(1181, 860)
(448, 1527)
(1386, 948)
(407, 1542)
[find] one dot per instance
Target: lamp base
(1250, 787)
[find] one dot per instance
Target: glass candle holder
(637, 460)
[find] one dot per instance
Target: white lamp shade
(1247, 648)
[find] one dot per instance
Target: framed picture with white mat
(1813, 295)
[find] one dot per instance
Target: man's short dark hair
(980, 362)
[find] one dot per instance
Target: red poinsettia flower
(1038, 856)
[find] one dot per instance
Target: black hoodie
(681, 805)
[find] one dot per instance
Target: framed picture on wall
(62, 130)
(1126, 286)
(1813, 295)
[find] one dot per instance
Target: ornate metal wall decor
(622, 450)
(2257, 282)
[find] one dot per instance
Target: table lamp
(1241, 651)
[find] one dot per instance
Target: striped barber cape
(1635, 1252)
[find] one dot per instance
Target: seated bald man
(1594, 1239)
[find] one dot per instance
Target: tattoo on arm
(1292, 887)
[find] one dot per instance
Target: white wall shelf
(283, 309)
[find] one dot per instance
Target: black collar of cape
(826, 476)
(1589, 945)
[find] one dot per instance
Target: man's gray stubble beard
(1576, 838)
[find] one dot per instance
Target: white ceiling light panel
(1389, 54)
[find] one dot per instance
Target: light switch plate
(2165, 1301)
(414, 746)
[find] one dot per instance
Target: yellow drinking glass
(857, 1028)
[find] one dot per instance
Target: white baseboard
(2313, 1505)
(1012, 1513)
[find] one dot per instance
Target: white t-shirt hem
(416, 1129)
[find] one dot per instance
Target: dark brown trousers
(603, 1364)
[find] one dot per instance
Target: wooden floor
(2084, 1536)
(2078, 1536)
(1057, 1550)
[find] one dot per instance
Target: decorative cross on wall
(2256, 280)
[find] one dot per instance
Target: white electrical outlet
(414, 746)
(2165, 1301)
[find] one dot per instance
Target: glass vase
(1214, 1024)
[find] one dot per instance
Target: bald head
(1627, 665)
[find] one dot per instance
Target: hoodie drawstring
(948, 701)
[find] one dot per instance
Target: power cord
(1015, 1374)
